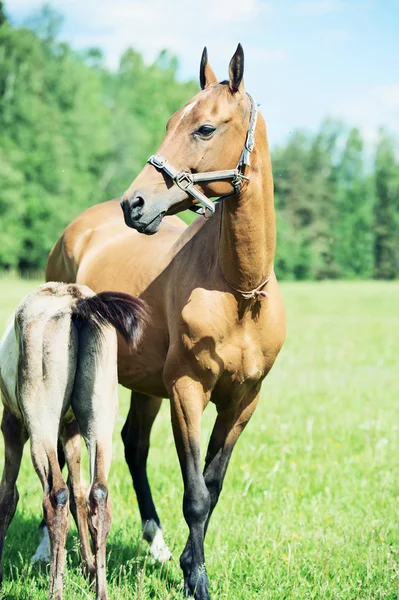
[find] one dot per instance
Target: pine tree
(3, 17)
(386, 209)
(354, 237)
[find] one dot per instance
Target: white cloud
(324, 7)
(223, 11)
(319, 7)
(388, 95)
(152, 25)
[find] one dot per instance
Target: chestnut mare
(217, 319)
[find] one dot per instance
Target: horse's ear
(207, 76)
(236, 69)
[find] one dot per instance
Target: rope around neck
(247, 295)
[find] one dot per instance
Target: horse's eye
(206, 130)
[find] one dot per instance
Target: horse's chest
(243, 359)
(218, 349)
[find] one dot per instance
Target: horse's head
(207, 134)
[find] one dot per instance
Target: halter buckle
(184, 180)
(158, 161)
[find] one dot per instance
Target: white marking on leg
(152, 533)
(42, 553)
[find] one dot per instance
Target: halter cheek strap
(186, 181)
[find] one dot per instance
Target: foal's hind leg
(14, 439)
(42, 553)
(94, 401)
(71, 439)
(55, 506)
(136, 439)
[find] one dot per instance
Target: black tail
(126, 313)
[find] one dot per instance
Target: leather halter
(186, 181)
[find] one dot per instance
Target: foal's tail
(126, 313)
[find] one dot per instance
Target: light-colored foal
(58, 375)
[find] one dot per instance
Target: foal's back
(38, 353)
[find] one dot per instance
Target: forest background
(74, 132)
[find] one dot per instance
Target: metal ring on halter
(184, 180)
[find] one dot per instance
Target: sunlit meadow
(310, 503)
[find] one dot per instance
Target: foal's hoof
(89, 571)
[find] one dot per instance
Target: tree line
(74, 133)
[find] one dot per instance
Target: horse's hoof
(159, 549)
(196, 585)
(154, 536)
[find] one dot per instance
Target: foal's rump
(39, 351)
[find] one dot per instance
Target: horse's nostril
(138, 202)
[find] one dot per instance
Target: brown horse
(217, 319)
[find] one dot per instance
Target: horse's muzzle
(136, 217)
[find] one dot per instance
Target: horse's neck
(248, 228)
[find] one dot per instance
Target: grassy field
(310, 504)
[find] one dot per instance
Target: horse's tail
(126, 313)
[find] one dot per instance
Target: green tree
(386, 209)
(293, 258)
(305, 183)
(71, 132)
(354, 237)
(3, 17)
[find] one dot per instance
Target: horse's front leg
(229, 424)
(187, 404)
(136, 439)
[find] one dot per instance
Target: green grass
(310, 503)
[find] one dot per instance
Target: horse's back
(101, 231)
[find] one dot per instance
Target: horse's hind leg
(14, 439)
(136, 439)
(71, 439)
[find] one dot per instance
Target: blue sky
(304, 59)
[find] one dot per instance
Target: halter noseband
(186, 181)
